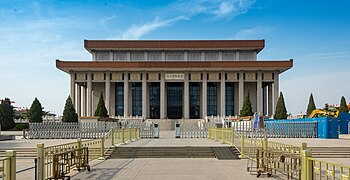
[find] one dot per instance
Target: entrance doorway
(174, 100)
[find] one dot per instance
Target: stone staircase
(330, 152)
(20, 152)
(175, 152)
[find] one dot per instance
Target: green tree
(343, 108)
(281, 111)
(35, 113)
(69, 114)
(311, 105)
(7, 114)
(247, 107)
(101, 109)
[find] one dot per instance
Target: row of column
(264, 95)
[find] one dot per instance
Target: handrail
(323, 169)
(65, 161)
(97, 148)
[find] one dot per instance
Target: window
(228, 55)
(246, 56)
(119, 99)
(210, 56)
(229, 99)
(102, 56)
(120, 56)
(174, 56)
(137, 56)
(154, 56)
(154, 100)
(194, 56)
(137, 99)
(194, 100)
(212, 98)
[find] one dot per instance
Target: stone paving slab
(343, 141)
(164, 168)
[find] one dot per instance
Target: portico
(173, 89)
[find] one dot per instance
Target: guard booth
(177, 130)
(156, 130)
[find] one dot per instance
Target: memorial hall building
(174, 79)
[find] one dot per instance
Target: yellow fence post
(113, 137)
(80, 157)
(216, 131)
(242, 147)
(233, 137)
(102, 156)
(123, 135)
(138, 133)
(40, 161)
(303, 146)
(222, 136)
(10, 165)
(130, 134)
(208, 133)
(265, 145)
(306, 166)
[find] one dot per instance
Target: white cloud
(232, 8)
(137, 31)
(253, 33)
(184, 9)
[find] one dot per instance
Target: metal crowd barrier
(147, 130)
(70, 130)
(291, 129)
(195, 129)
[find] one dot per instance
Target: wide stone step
(175, 152)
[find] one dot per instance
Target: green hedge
(21, 126)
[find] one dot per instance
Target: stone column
(162, 96)
(72, 87)
(240, 91)
(144, 95)
(89, 94)
(276, 88)
(78, 103)
(126, 94)
(259, 94)
(186, 101)
(108, 92)
(265, 100)
(270, 100)
(222, 95)
(204, 95)
(84, 101)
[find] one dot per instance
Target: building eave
(280, 66)
(106, 45)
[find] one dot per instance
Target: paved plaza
(165, 168)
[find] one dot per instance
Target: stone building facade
(174, 79)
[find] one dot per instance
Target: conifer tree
(281, 111)
(247, 109)
(35, 113)
(7, 114)
(101, 109)
(311, 105)
(343, 108)
(69, 114)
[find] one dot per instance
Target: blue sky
(314, 33)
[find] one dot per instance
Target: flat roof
(67, 66)
(91, 45)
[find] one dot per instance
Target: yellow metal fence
(8, 166)
(311, 168)
(97, 149)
